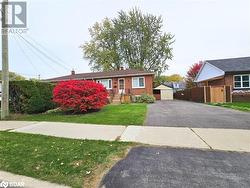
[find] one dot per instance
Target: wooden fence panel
(195, 94)
(206, 94)
(218, 94)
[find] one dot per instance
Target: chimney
(73, 72)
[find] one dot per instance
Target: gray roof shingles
(99, 75)
(241, 64)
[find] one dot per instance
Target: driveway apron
(157, 167)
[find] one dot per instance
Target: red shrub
(80, 95)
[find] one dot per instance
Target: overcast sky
(203, 29)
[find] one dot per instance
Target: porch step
(116, 99)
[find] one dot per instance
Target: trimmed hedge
(31, 96)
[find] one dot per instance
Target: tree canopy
(192, 73)
(170, 78)
(131, 40)
(13, 76)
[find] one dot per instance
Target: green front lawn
(64, 161)
(243, 106)
(124, 114)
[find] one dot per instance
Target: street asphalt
(178, 113)
(158, 167)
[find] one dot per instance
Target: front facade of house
(234, 72)
(130, 82)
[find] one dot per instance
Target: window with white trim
(242, 81)
(138, 82)
(106, 83)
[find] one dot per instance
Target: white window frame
(134, 87)
(241, 81)
(101, 82)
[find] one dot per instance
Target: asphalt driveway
(155, 167)
(189, 114)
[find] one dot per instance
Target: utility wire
(47, 50)
(41, 58)
(25, 54)
(43, 53)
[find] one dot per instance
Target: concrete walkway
(203, 138)
(12, 180)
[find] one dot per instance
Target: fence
(206, 94)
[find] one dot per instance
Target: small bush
(30, 96)
(80, 95)
(53, 111)
(144, 98)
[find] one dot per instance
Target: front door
(121, 85)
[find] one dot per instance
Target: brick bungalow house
(234, 72)
(129, 81)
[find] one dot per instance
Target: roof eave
(210, 79)
(100, 77)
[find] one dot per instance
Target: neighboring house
(234, 72)
(177, 86)
(131, 82)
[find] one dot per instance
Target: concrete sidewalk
(163, 136)
(74, 130)
(203, 138)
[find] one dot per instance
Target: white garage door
(167, 94)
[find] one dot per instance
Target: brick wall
(138, 91)
(229, 79)
(219, 82)
(226, 80)
(148, 89)
(241, 96)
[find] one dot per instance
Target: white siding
(208, 72)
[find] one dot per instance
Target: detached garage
(163, 92)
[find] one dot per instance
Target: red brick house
(129, 81)
(234, 72)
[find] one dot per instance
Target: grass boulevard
(71, 162)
